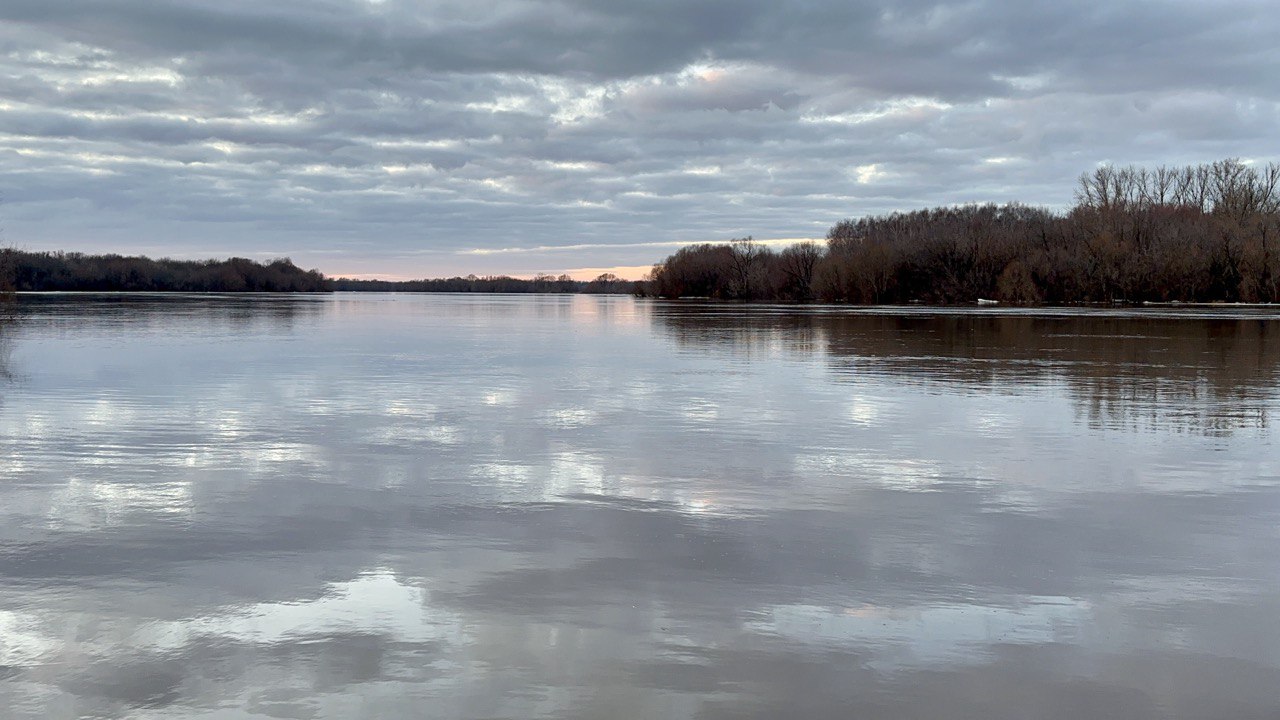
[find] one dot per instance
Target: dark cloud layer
(416, 138)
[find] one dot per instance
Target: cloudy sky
(403, 138)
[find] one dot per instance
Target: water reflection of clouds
(867, 469)
(578, 476)
(700, 411)
(85, 505)
(498, 397)
(374, 602)
(864, 411)
(276, 657)
(909, 636)
(570, 417)
(415, 433)
(511, 477)
(25, 640)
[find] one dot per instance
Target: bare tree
(746, 257)
(796, 265)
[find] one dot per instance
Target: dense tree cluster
(75, 271)
(740, 270)
(1192, 234)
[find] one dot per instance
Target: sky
(424, 138)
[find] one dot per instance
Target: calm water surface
(395, 506)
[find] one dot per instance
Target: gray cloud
(390, 137)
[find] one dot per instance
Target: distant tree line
(47, 271)
(1202, 233)
(606, 283)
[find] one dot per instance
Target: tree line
(1201, 233)
(63, 271)
(59, 271)
(605, 283)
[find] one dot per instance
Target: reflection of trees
(1203, 374)
(168, 311)
(8, 321)
(746, 331)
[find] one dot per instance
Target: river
(467, 506)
